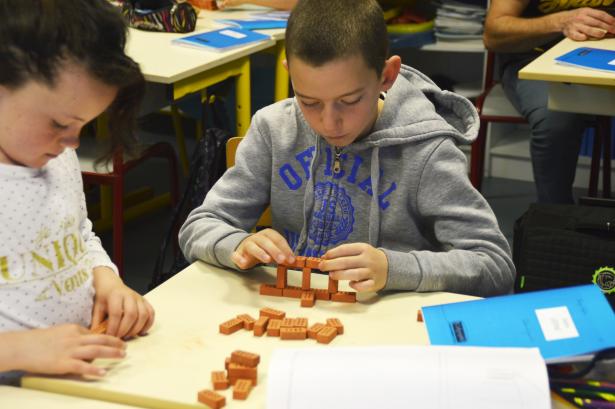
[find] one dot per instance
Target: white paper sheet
(426, 377)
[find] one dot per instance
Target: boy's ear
(285, 64)
(391, 69)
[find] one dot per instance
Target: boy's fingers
(255, 250)
(281, 244)
(344, 250)
(365, 285)
(114, 312)
(358, 274)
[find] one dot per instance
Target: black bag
(208, 163)
(563, 245)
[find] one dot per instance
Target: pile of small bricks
(276, 324)
(307, 294)
(241, 372)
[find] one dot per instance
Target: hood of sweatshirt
(415, 110)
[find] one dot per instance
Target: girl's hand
(62, 349)
(128, 313)
(265, 246)
(365, 266)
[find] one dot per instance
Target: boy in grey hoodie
(361, 168)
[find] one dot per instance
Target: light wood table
(168, 367)
(574, 89)
(11, 398)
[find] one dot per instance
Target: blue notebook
(255, 23)
(566, 324)
(221, 40)
(592, 58)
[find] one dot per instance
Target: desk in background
(574, 89)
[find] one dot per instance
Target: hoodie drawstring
(374, 208)
(308, 199)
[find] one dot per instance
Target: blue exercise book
(566, 324)
(221, 40)
(255, 23)
(592, 58)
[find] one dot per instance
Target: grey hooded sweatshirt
(402, 188)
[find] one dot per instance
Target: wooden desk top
(545, 68)
(166, 63)
(169, 366)
(12, 397)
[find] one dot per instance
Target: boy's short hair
(320, 31)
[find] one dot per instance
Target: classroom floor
(143, 237)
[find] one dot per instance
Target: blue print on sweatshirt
(294, 173)
(333, 219)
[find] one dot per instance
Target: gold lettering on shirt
(66, 286)
(48, 260)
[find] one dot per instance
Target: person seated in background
(519, 31)
(361, 168)
(276, 4)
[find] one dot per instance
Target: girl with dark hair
(62, 64)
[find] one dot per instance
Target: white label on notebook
(612, 62)
(556, 323)
(232, 33)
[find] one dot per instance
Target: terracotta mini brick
(282, 273)
(337, 324)
(260, 326)
(245, 358)
(272, 313)
(312, 262)
(314, 329)
(292, 292)
(248, 321)
(344, 296)
(307, 299)
(306, 278)
(300, 322)
(242, 389)
(299, 262)
(273, 328)
(230, 326)
(237, 371)
(287, 323)
(326, 335)
(219, 380)
(332, 286)
(212, 399)
(322, 294)
(268, 289)
(100, 328)
(293, 333)
(419, 316)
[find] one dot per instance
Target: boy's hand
(128, 313)
(365, 266)
(265, 246)
(62, 349)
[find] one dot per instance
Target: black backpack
(208, 163)
(562, 245)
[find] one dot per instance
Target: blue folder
(566, 324)
(255, 23)
(221, 40)
(587, 57)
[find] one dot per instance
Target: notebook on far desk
(221, 40)
(589, 58)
